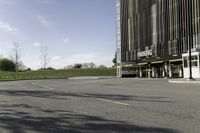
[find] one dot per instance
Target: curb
(90, 78)
(184, 82)
(81, 78)
(31, 79)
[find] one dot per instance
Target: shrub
(78, 66)
(7, 65)
(50, 68)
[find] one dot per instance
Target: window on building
(194, 58)
(194, 61)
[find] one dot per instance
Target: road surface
(99, 106)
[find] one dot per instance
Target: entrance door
(177, 71)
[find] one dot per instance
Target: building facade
(153, 37)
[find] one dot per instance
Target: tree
(69, 67)
(22, 67)
(77, 66)
(16, 56)
(28, 69)
(102, 66)
(50, 68)
(114, 61)
(92, 65)
(44, 59)
(7, 65)
(85, 65)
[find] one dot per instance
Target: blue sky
(75, 31)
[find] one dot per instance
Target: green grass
(57, 74)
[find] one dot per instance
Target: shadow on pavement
(65, 95)
(61, 121)
(23, 118)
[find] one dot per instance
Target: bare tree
(92, 65)
(85, 65)
(22, 67)
(16, 56)
(89, 65)
(69, 67)
(44, 59)
(102, 66)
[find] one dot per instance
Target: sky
(75, 31)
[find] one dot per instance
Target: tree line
(90, 65)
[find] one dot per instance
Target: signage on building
(145, 53)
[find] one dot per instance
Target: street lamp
(190, 27)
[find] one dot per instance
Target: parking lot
(99, 106)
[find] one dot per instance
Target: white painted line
(43, 86)
(126, 104)
(106, 100)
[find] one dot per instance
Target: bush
(50, 68)
(78, 66)
(7, 65)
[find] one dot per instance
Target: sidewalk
(185, 81)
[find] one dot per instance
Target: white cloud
(6, 27)
(37, 44)
(11, 31)
(44, 21)
(66, 40)
(56, 58)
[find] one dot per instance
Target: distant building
(153, 38)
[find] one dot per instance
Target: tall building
(153, 38)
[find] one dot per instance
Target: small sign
(145, 53)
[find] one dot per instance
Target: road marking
(43, 86)
(110, 101)
(84, 95)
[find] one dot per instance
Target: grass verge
(57, 74)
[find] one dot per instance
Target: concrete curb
(184, 81)
(107, 77)
(31, 79)
(77, 78)
(91, 78)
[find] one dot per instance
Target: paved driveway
(99, 106)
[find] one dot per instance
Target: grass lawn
(57, 74)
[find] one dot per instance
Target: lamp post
(190, 27)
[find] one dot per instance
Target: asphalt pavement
(99, 106)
